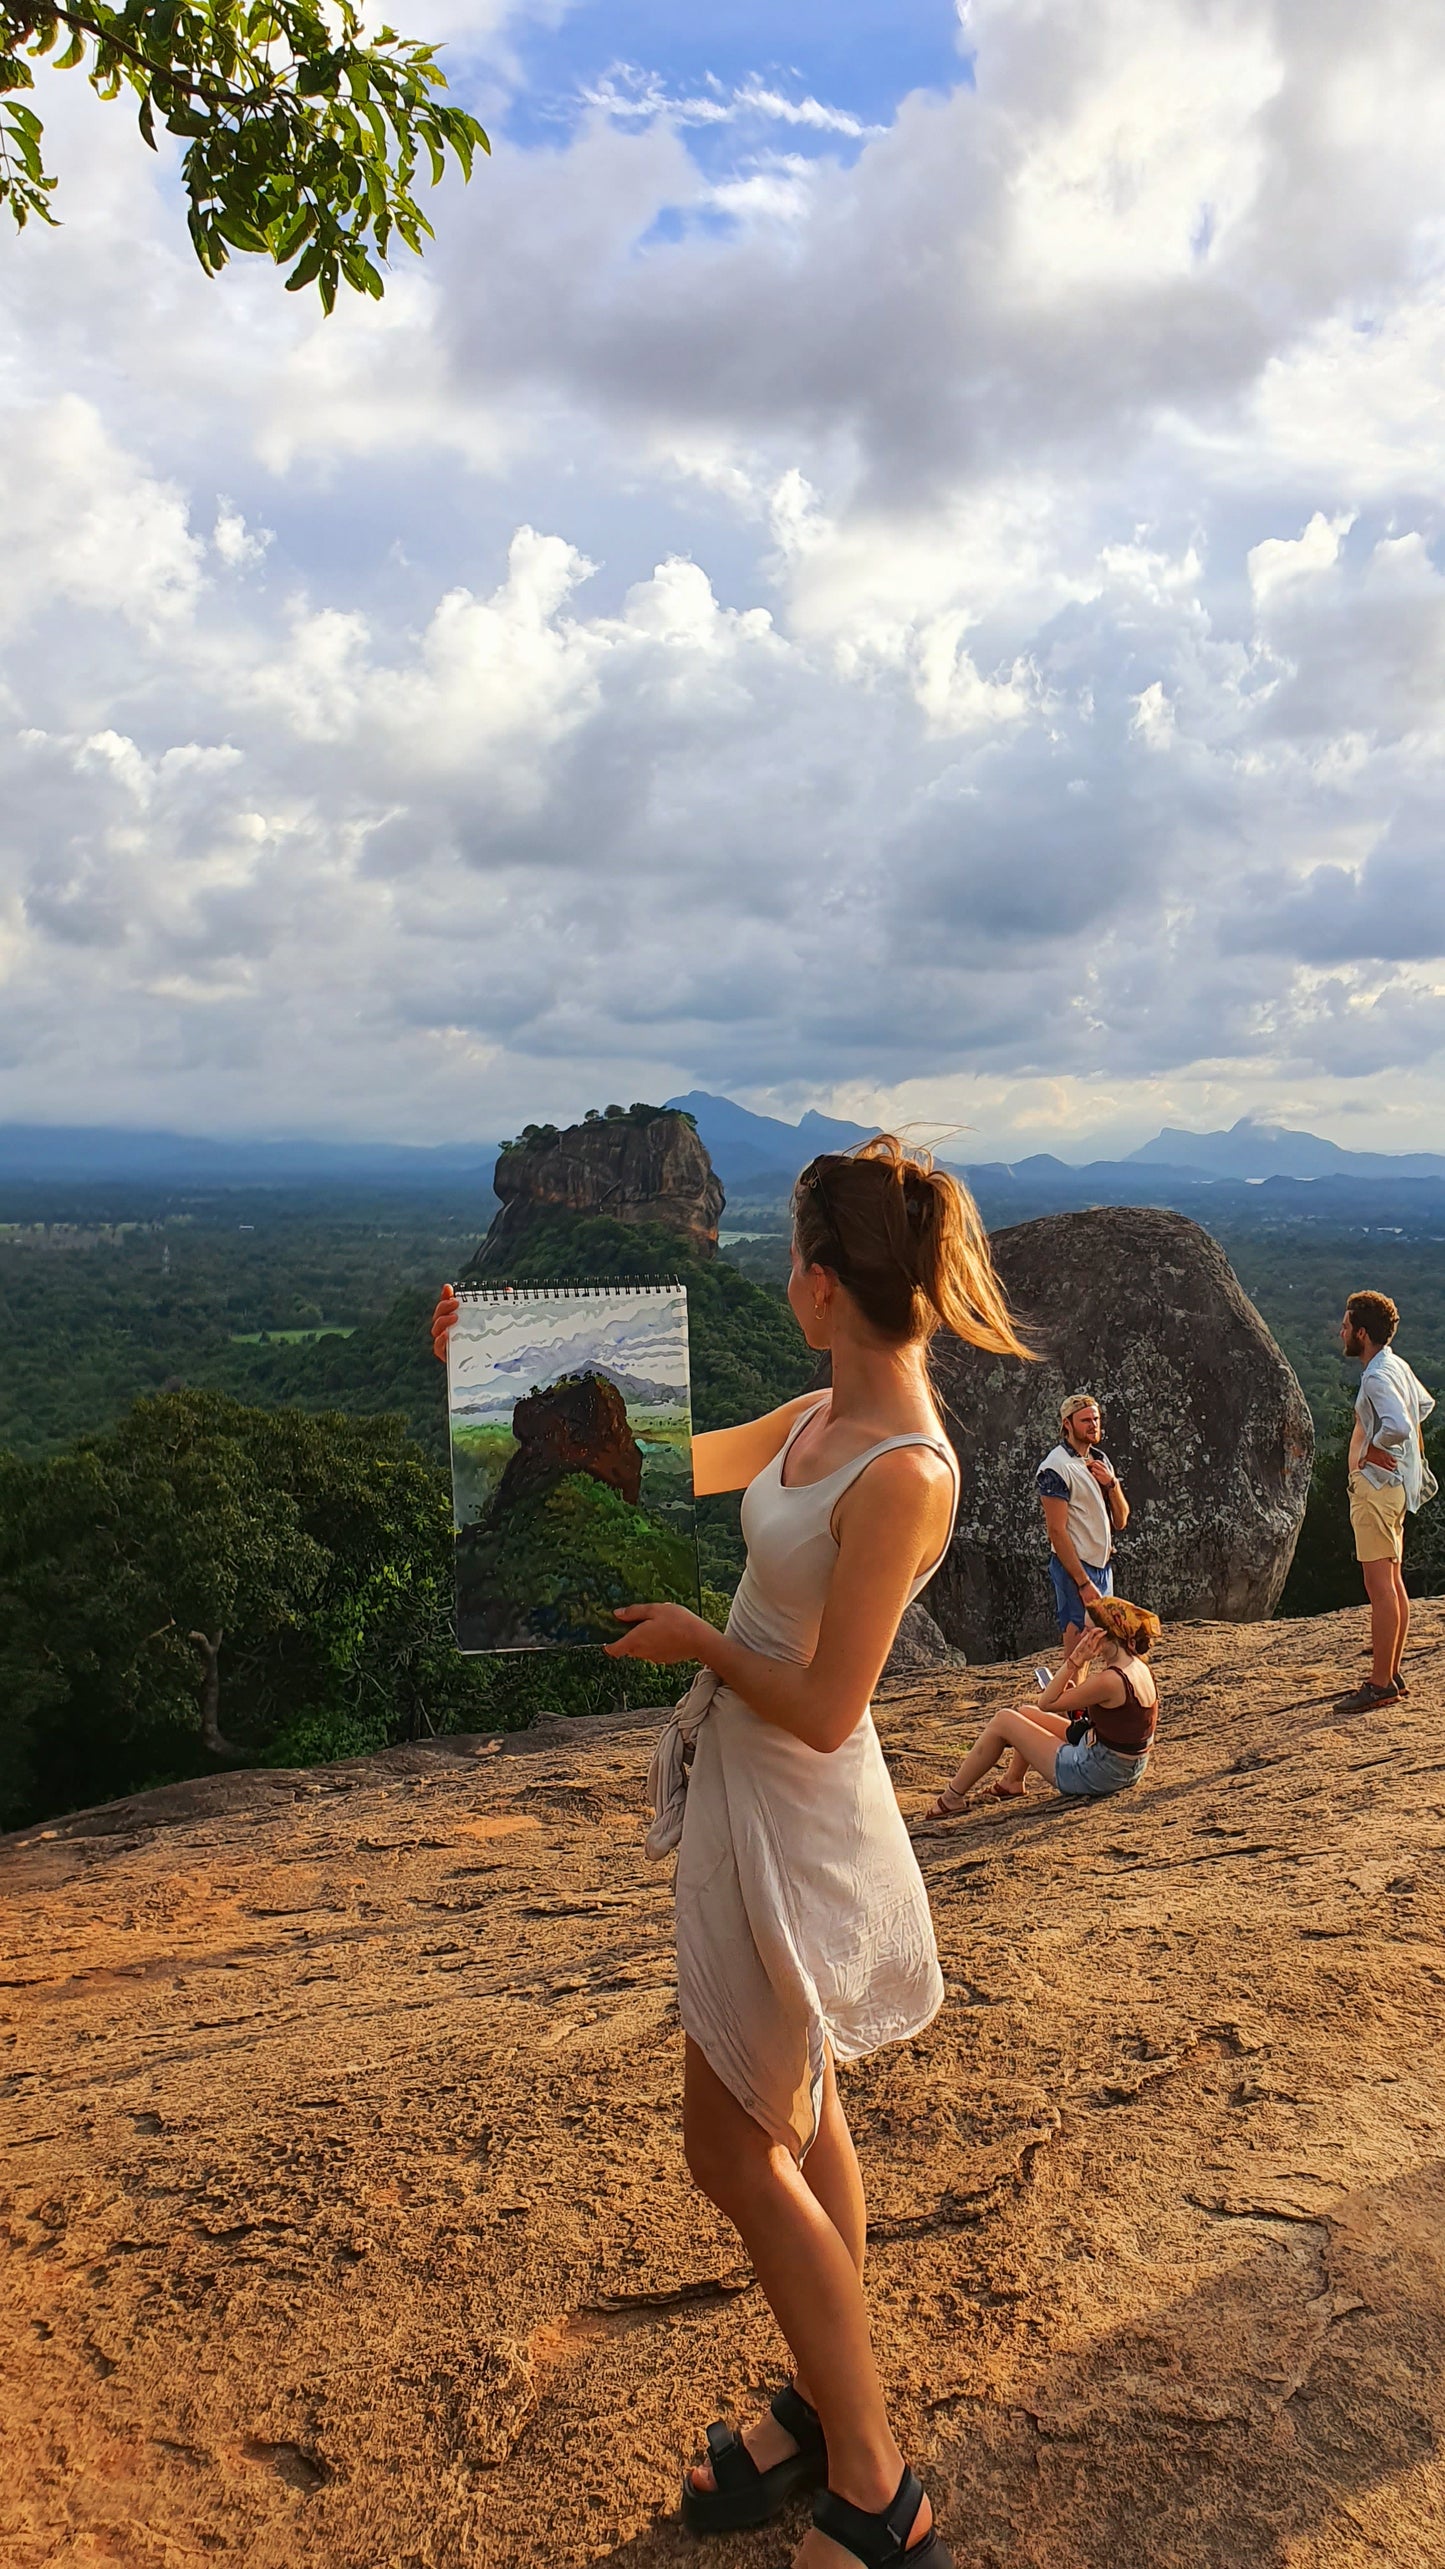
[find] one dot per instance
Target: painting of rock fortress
(571, 1444)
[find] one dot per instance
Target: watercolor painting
(571, 1441)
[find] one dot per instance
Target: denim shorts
(1089, 1768)
(1066, 1596)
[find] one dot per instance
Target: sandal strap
(732, 2464)
(877, 2540)
(797, 2417)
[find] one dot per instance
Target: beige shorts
(1377, 1519)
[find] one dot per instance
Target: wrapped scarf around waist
(671, 1760)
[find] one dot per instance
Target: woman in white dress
(804, 1936)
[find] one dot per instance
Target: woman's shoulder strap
(938, 1445)
(824, 1401)
(1133, 1696)
(780, 1459)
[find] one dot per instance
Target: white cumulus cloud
(960, 619)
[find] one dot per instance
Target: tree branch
(80, 25)
(209, 1645)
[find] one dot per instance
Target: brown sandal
(943, 1809)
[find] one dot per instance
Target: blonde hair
(907, 1242)
(1132, 1628)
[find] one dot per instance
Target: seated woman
(1104, 1683)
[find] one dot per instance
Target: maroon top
(1128, 1727)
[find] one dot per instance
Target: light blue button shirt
(1390, 1405)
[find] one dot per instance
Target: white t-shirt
(1065, 1474)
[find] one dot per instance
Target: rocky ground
(345, 2221)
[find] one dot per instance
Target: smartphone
(1043, 1677)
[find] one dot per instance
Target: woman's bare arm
(723, 1458)
(893, 1522)
(1084, 1655)
(1077, 1694)
(727, 1458)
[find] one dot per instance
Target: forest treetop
(302, 137)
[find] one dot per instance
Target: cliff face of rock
(344, 2209)
(1203, 1419)
(920, 1649)
(576, 1425)
(656, 1171)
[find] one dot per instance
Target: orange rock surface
(346, 2223)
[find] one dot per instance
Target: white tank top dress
(802, 1919)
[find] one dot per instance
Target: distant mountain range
(1251, 1149)
(1022, 1190)
(758, 1154)
(88, 1154)
(753, 1152)
(758, 1157)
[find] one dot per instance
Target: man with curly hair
(1389, 1479)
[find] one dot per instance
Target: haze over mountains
(1252, 1149)
(93, 1154)
(755, 1153)
(758, 1156)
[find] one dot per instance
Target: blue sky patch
(813, 80)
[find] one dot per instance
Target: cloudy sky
(889, 559)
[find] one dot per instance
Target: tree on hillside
(204, 1580)
(302, 138)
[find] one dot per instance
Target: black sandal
(880, 2541)
(744, 2495)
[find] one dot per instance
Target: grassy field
(289, 1337)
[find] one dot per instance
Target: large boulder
(920, 1649)
(1203, 1419)
(647, 1165)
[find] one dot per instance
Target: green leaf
(289, 239)
(306, 270)
(241, 234)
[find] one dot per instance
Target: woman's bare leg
(809, 2273)
(831, 2168)
(1034, 1736)
(832, 2174)
(1018, 1770)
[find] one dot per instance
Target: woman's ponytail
(907, 1241)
